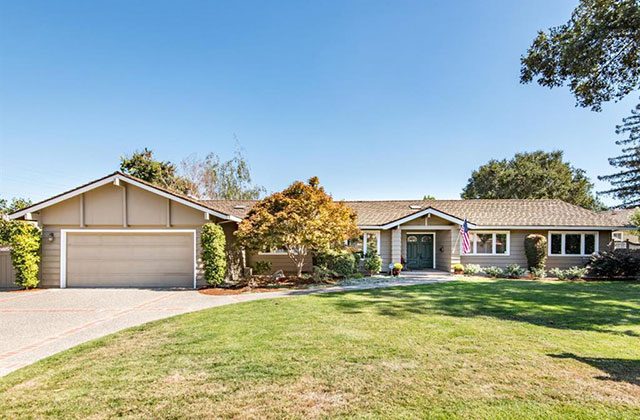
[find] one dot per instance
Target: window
(367, 242)
(489, 243)
(617, 236)
(277, 250)
(573, 243)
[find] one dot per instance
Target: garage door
(130, 259)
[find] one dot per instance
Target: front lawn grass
(474, 348)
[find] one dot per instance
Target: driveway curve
(38, 324)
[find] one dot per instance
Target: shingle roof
(479, 212)
(623, 216)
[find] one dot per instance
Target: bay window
(580, 244)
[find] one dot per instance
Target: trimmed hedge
(535, 248)
(25, 253)
(214, 256)
(341, 262)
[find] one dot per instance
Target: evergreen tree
(626, 183)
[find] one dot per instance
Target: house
(120, 231)
(625, 238)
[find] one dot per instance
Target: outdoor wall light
(441, 249)
(50, 237)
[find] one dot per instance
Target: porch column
(455, 245)
(396, 245)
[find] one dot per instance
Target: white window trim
(617, 236)
(474, 243)
(582, 243)
(283, 252)
(365, 237)
(63, 247)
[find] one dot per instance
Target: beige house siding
(443, 250)
(427, 221)
(517, 254)
(385, 249)
(7, 274)
(280, 262)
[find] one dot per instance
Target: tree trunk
(297, 256)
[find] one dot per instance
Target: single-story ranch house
(120, 231)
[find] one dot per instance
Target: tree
(300, 219)
(6, 208)
(532, 175)
(597, 52)
(214, 179)
(17, 203)
(635, 220)
(428, 197)
(142, 164)
(626, 183)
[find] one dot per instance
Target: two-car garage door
(129, 259)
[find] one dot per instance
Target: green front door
(419, 251)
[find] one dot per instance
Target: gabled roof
(113, 177)
(385, 214)
(480, 213)
(623, 216)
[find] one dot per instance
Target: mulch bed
(261, 284)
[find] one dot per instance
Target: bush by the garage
(214, 258)
(25, 241)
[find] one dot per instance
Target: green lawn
(468, 349)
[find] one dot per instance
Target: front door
(419, 251)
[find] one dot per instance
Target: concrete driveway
(37, 324)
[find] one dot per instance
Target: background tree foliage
(142, 164)
(597, 52)
(208, 178)
(626, 183)
(214, 179)
(532, 175)
(300, 219)
(8, 207)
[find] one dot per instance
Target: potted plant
(397, 268)
(458, 268)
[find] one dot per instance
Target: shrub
(571, 273)
(535, 248)
(321, 273)
(493, 271)
(262, 267)
(25, 253)
(621, 263)
(214, 257)
(458, 268)
(472, 269)
(373, 263)
(341, 262)
(514, 271)
(5, 231)
(537, 273)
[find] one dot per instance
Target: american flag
(466, 242)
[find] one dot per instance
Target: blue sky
(380, 99)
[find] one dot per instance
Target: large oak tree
(597, 53)
(532, 175)
(301, 219)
